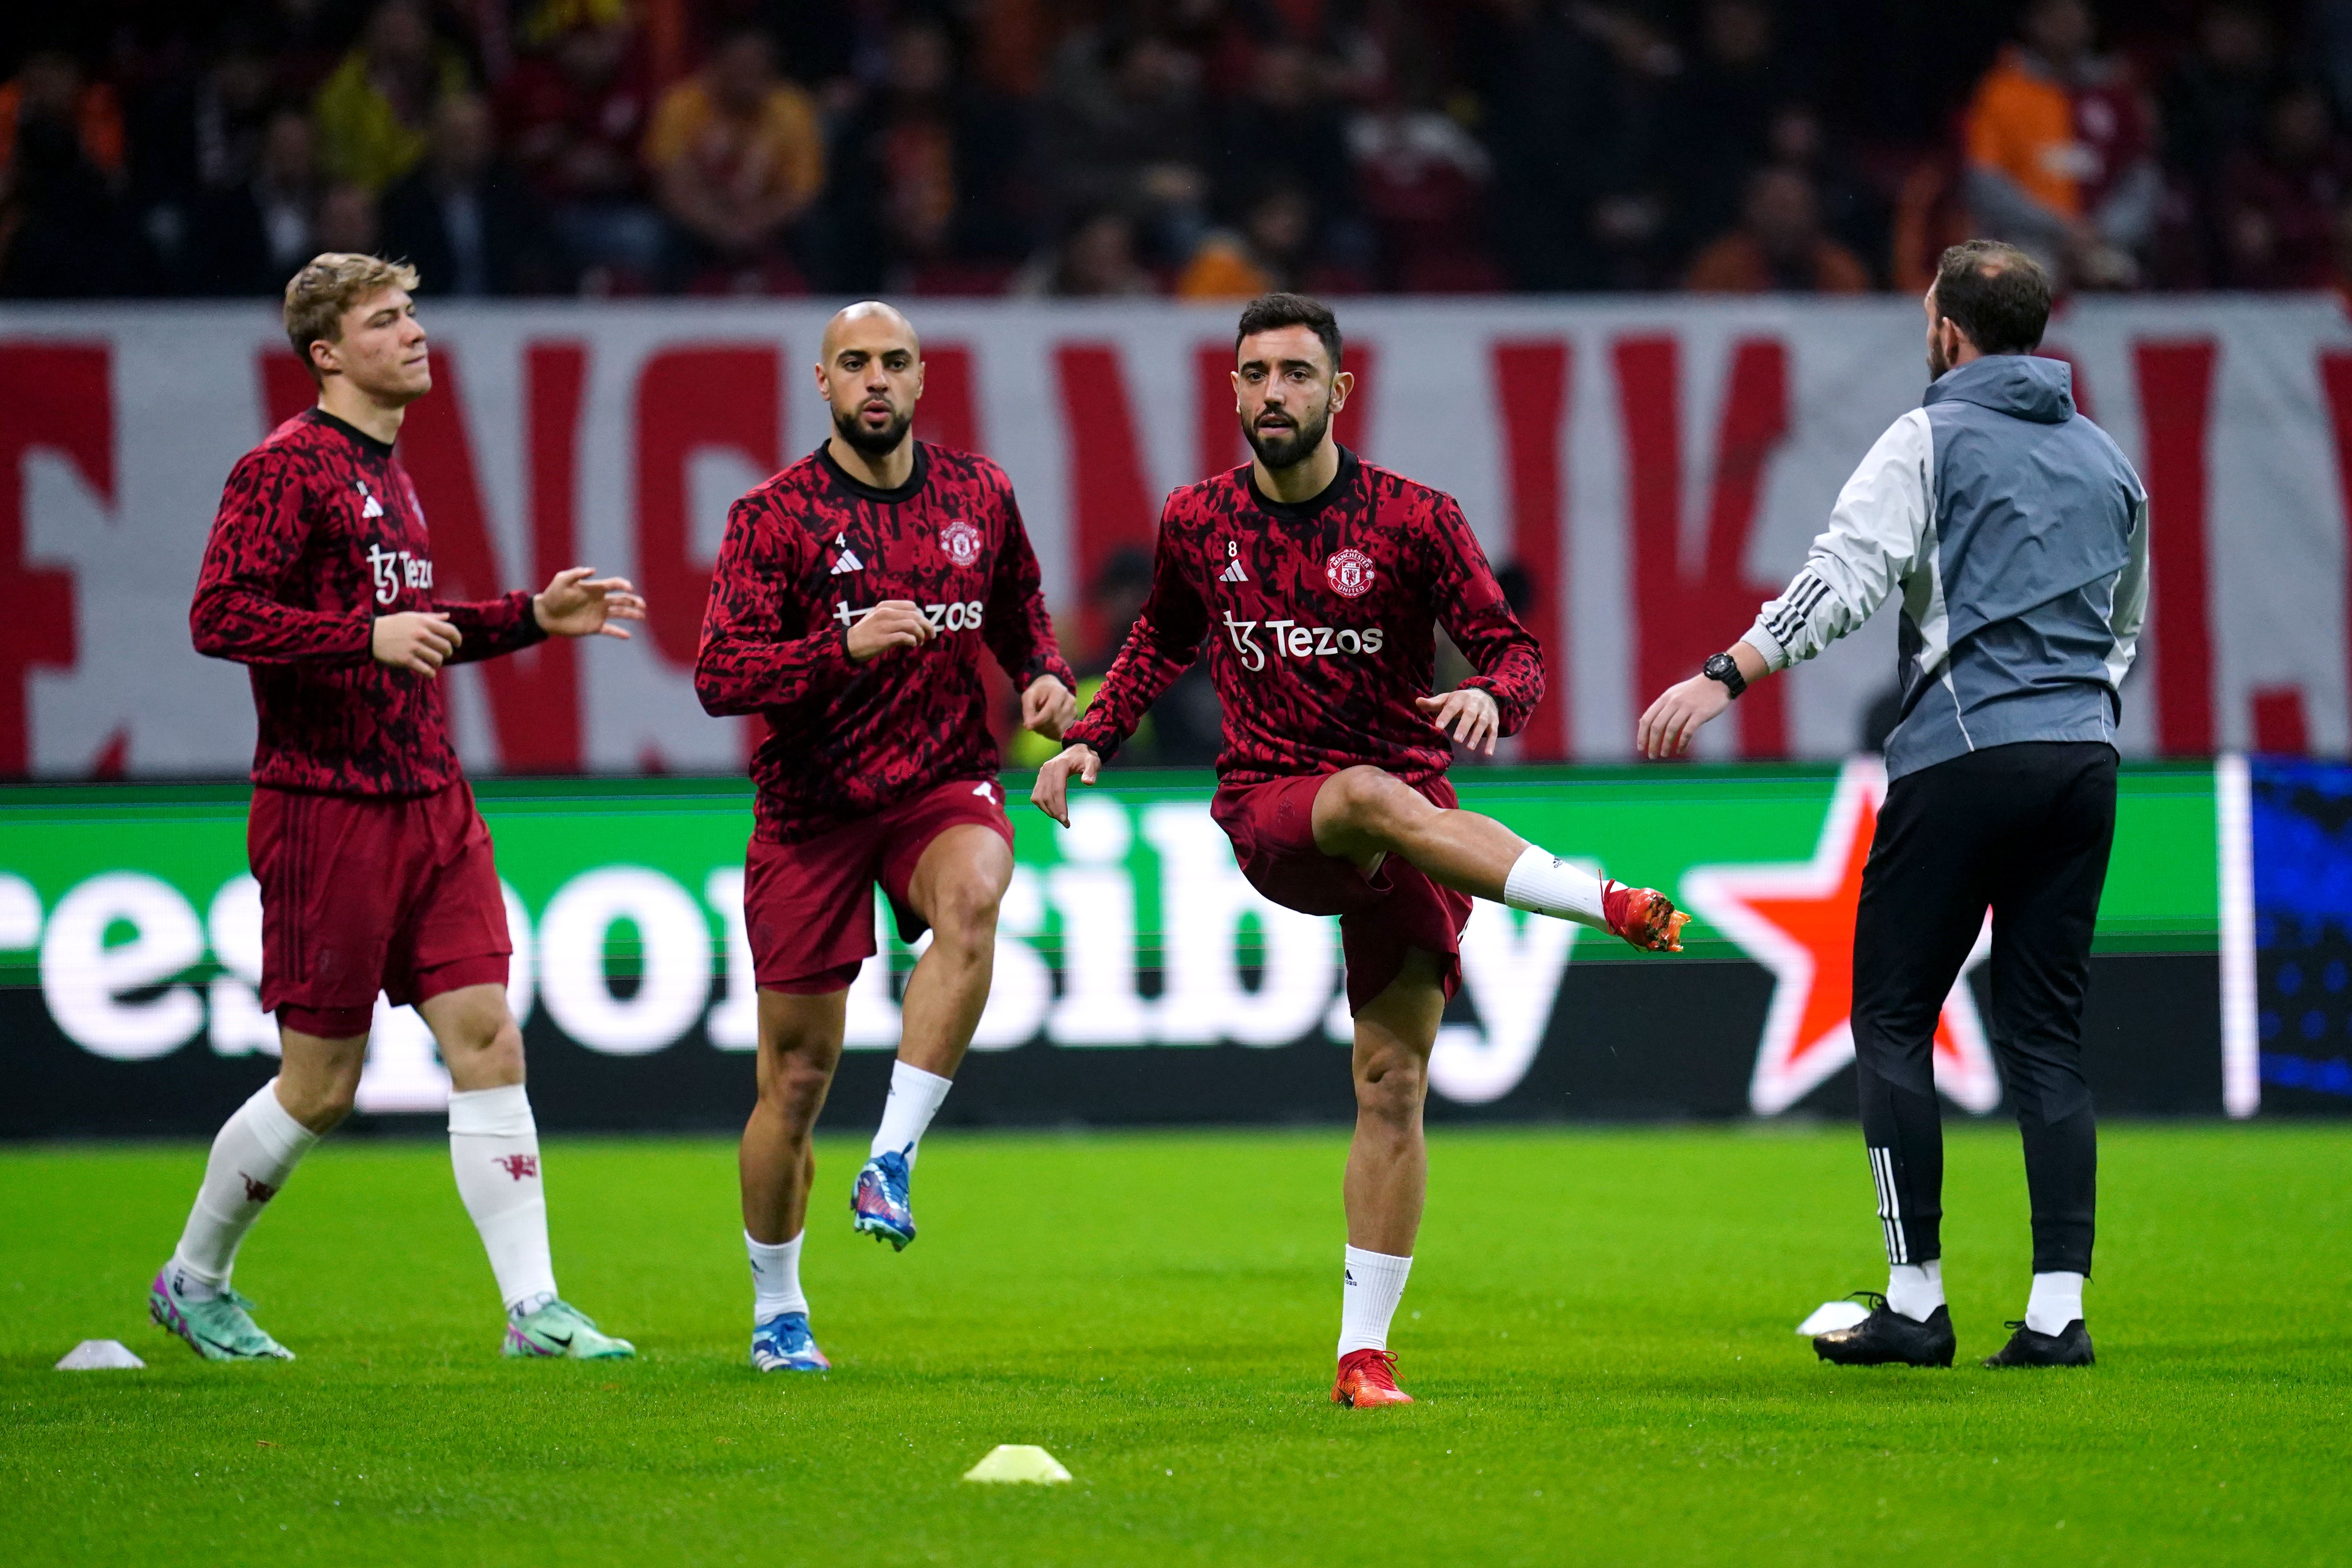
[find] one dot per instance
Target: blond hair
(330, 284)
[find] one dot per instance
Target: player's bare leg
(1363, 813)
(800, 1046)
(958, 883)
(1388, 1174)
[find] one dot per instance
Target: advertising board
(1138, 978)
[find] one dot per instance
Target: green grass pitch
(1597, 1329)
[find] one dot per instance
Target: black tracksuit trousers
(2023, 830)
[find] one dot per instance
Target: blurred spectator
(1717, 115)
(2059, 149)
(347, 221)
(923, 172)
(2278, 206)
(1853, 213)
(1273, 248)
(1285, 131)
(250, 238)
(61, 156)
(51, 89)
(1422, 181)
(1779, 246)
(573, 112)
(1555, 135)
(375, 111)
(2214, 99)
(1095, 259)
(1124, 125)
(736, 156)
(192, 139)
(465, 218)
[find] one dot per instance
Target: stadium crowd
(1197, 147)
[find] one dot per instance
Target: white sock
(775, 1276)
(254, 1152)
(2056, 1301)
(494, 1150)
(1545, 884)
(915, 1097)
(1915, 1290)
(1372, 1285)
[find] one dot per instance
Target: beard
(873, 443)
(1936, 363)
(1285, 446)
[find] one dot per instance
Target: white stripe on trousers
(1890, 1205)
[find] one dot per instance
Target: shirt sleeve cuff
(1775, 656)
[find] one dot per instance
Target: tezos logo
(963, 541)
(1293, 640)
(396, 569)
(1350, 572)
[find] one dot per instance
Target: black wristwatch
(1724, 667)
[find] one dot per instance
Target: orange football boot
(1644, 917)
(1367, 1378)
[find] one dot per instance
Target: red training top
(810, 552)
(1320, 619)
(319, 533)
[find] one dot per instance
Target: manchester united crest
(1350, 572)
(963, 541)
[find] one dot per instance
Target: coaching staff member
(2017, 535)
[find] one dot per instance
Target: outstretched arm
(1165, 639)
(1876, 532)
(1500, 698)
(1020, 633)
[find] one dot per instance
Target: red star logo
(1798, 922)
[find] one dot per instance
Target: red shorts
(1381, 916)
(363, 894)
(808, 908)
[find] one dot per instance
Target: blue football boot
(783, 1343)
(879, 1205)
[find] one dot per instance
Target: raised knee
(1372, 800)
(963, 913)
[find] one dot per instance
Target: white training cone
(98, 1355)
(1830, 1316)
(1018, 1462)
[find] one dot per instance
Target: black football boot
(1888, 1338)
(2070, 1346)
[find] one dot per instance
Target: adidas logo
(847, 561)
(373, 507)
(1233, 574)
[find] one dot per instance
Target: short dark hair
(1268, 312)
(1996, 293)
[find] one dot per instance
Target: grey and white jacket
(2017, 532)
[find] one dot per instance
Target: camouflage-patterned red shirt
(319, 533)
(809, 553)
(1320, 622)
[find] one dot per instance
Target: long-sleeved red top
(319, 533)
(1319, 621)
(809, 553)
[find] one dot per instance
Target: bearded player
(375, 869)
(854, 593)
(1317, 578)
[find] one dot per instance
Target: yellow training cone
(1018, 1462)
